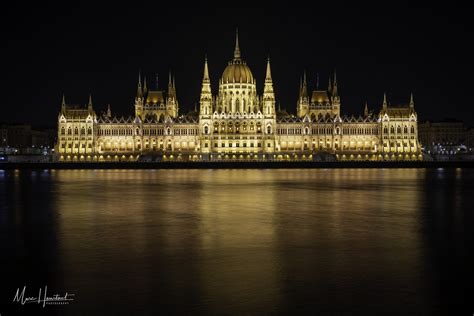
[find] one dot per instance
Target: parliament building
(237, 123)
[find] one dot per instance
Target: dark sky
(82, 47)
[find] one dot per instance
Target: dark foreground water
(239, 241)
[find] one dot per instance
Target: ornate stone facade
(238, 123)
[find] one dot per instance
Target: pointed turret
(171, 100)
(304, 88)
(109, 112)
(139, 97)
(170, 85)
(366, 110)
(268, 76)
(63, 103)
(206, 70)
(384, 104)
(237, 48)
(412, 102)
(145, 90)
(334, 89)
(303, 102)
(139, 88)
(206, 94)
(268, 94)
(89, 105)
(330, 86)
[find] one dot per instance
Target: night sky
(80, 48)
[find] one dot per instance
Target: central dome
(237, 71)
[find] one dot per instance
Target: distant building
(447, 133)
(238, 122)
(22, 138)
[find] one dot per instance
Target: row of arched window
(75, 131)
(399, 130)
(114, 131)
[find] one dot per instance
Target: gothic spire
(366, 110)
(157, 82)
(268, 75)
(63, 104)
(139, 88)
(304, 89)
(412, 102)
(237, 49)
(89, 105)
(206, 70)
(109, 112)
(384, 104)
(144, 85)
(334, 89)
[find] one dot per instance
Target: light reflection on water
(239, 241)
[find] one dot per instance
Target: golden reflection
(237, 228)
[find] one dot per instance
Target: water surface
(240, 241)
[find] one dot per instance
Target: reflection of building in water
(238, 123)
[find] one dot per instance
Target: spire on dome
(412, 102)
(237, 49)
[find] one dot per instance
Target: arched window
(206, 129)
(83, 131)
(306, 130)
(385, 130)
(269, 129)
(76, 131)
(69, 131)
(89, 131)
(412, 129)
(399, 129)
(63, 131)
(392, 130)
(405, 130)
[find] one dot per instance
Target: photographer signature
(42, 297)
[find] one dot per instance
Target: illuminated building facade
(238, 123)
